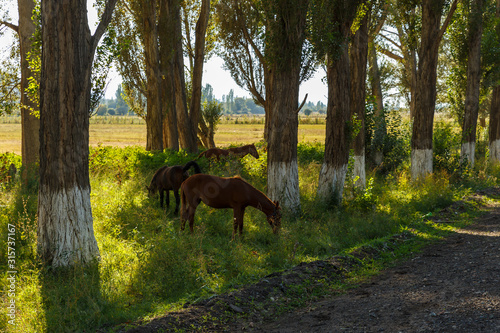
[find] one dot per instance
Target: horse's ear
(277, 203)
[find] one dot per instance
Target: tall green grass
(148, 265)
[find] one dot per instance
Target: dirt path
(451, 286)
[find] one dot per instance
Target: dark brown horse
(238, 151)
(219, 192)
(168, 179)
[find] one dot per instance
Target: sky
(222, 82)
(213, 72)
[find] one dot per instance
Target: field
(131, 131)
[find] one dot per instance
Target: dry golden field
(121, 135)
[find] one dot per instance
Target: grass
(148, 266)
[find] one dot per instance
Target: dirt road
(453, 286)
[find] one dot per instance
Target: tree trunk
(65, 225)
(334, 168)
(473, 83)
(425, 95)
(154, 117)
(282, 166)
(187, 130)
(30, 124)
(166, 28)
(199, 58)
(285, 51)
(494, 130)
(358, 56)
(380, 130)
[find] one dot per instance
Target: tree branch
(302, 104)
(391, 55)
(448, 19)
(10, 25)
(391, 41)
(103, 24)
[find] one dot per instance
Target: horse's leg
(177, 200)
(167, 199)
(161, 198)
(184, 209)
(240, 224)
(238, 220)
(191, 212)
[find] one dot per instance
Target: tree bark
(494, 127)
(187, 130)
(380, 129)
(338, 130)
(166, 28)
(30, 123)
(338, 120)
(285, 51)
(154, 116)
(358, 57)
(473, 83)
(199, 58)
(65, 224)
(425, 95)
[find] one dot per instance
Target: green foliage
(446, 147)
(212, 113)
(7, 172)
(395, 145)
(330, 24)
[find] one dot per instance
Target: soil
(450, 286)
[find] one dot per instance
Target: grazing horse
(238, 151)
(170, 178)
(220, 192)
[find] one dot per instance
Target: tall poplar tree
(471, 111)
(331, 23)
(494, 124)
(65, 224)
(285, 36)
(30, 123)
(425, 95)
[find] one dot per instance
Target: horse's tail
(183, 207)
(192, 164)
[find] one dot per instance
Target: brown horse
(168, 179)
(219, 192)
(238, 151)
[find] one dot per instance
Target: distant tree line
(230, 104)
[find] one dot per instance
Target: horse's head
(151, 189)
(253, 151)
(274, 218)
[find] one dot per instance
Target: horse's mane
(157, 173)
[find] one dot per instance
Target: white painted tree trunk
(421, 163)
(65, 227)
(495, 151)
(359, 170)
(285, 184)
(467, 152)
(331, 182)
